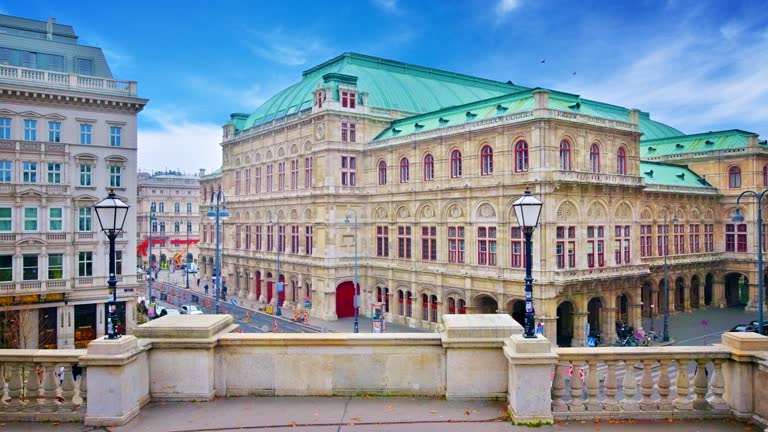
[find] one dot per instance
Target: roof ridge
(720, 132)
(481, 102)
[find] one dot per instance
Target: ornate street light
(279, 285)
(738, 217)
(356, 327)
(527, 210)
(217, 211)
(111, 213)
(665, 335)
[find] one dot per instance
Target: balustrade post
(593, 388)
(83, 390)
(577, 399)
(49, 404)
(32, 391)
(663, 385)
(15, 388)
(646, 387)
(629, 385)
(67, 390)
(718, 387)
(682, 403)
(700, 385)
(558, 387)
(611, 388)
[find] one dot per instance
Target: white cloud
(177, 143)
(692, 80)
(249, 97)
(291, 49)
(504, 7)
(387, 5)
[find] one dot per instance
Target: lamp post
(279, 284)
(665, 335)
(738, 217)
(152, 218)
(527, 210)
(356, 328)
(186, 254)
(217, 211)
(111, 213)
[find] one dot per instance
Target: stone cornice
(57, 96)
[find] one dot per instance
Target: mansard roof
(668, 174)
(697, 143)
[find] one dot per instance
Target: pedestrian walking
(198, 281)
(306, 317)
(224, 292)
(206, 289)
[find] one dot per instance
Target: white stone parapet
(68, 81)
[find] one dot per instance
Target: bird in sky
(544, 60)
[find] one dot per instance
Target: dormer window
(319, 99)
(348, 99)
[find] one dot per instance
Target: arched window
(765, 175)
(565, 155)
(734, 177)
(621, 161)
(429, 167)
(462, 306)
(521, 156)
(455, 164)
(153, 207)
(425, 307)
(176, 207)
(400, 303)
(162, 227)
(404, 170)
(161, 207)
(189, 207)
(382, 173)
(594, 158)
(154, 226)
(486, 160)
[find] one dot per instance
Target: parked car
(163, 311)
(191, 310)
(192, 268)
(744, 328)
(756, 325)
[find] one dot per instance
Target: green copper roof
(390, 85)
(666, 174)
(696, 143)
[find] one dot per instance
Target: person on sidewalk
(198, 282)
(206, 289)
(224, 292)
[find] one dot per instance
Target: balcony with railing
(68, 81)
(35, 287)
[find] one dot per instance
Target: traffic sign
(234, 302)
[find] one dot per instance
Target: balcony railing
(34, 287)
(597, 178)
(67, 81)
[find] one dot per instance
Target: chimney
(202, 172)
(51, 22)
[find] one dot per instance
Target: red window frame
(382, 241)
(679, 236)
(741, 237)
(248, 237)
(281, 176)
(486, 160)
(646, 240)
(765, 175)
(308, 239)
(257, 179)
(294, 174)
(258, 237)
(404, 242)
(382, 173)
(348, 99)
(319, 99)
(281, 238)
(247, 181)
(517, 248)
(621, 161)
(709, 237)
(693, 237)
(622, 244)
(294, 239)
(404, 170)
(429, 243)
(734, 177)
(486, 245)
(521, 156)
(429, 167)
(565, 155)
(348, 132)
(662, 240)
(571, 247)
(455, 164)
(594, 158)
(595, 246)
(456, 244)
(270, 238)
(348, 171)
(308, 172)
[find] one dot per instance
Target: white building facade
(67, 137)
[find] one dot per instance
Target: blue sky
(696, 65)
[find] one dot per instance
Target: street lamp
(665, 336)
(217, 211)
(738, 217)
(111, 213)
(186, 254)
(279, 285)
(356, 328)
(527, 210)
(152, 219)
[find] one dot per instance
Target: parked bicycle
(651, 338)
(625, 335)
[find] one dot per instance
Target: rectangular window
(429, 243)
(281, 238)
(404, 242)
(456, 244)
(5, 128)
(295, 239)
(54, 173)
(84, 66)
(294, 174)
(55, 63)
(270, 238)
(709, 237)
(347, 99)
(6, 219)
(30, 219)
(85, 264)
(55, 266)
(646, 240)
(382, 241)
(6, 171)
(118, 263)
(517, 248)
(115, 176)
(269, 178)
(237, 237)
(662, 241)
(308, 240)
(29, 267)
(85, 219)
(30, 130)
(486, 246)
(115, 136)
(741, 237)
(348, 132)
(258, 237)
(679, 238)
(571, 247)
(248, 237)
(55, 219)
(86, 177)
(595, 246)
(86, 131)
(730, 237)
(54, 131)
(257, 179)
(6, 268)
(348, 171)
(29, 172)
(693, 238)
(308, 172)
(247, 181)
(237, 182)
(565, 246)
(621, 248)
(281, 176)
(29, 59)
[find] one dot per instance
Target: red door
(258, 285)
(269, 291)
(345, 300)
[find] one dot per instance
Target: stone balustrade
(67, 80)
(33, 387)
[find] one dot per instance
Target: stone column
(530, 361)
(579, 321)
(608, 325)
(718, 293)
(118, 380)
(251, 284)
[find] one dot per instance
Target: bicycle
(651, 338)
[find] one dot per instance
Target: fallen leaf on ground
(433, 411)
(56, 423)
(293, 424)
(355, 418)
(466, 412)
(583, 422)
(389, 408)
